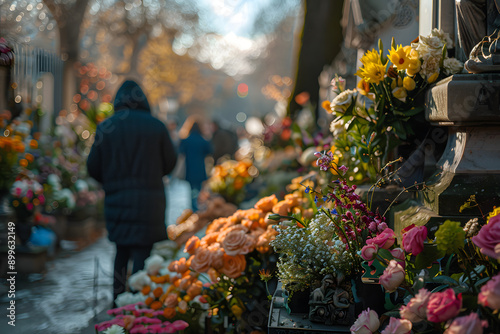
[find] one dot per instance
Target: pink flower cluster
(136, 319)
(413, 243)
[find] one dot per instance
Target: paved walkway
(64, 300)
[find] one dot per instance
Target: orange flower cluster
(183, 288)
(229, 178)
(11, 144)
(222, 250)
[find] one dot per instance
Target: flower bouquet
(442, 282)
(386, 108)
(230, 178)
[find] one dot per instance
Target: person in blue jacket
(131, 153)
(195, 148)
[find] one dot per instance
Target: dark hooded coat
(131, 154)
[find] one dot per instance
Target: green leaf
(386, 254)
(428, 256)
(481, 282)
(444, 279)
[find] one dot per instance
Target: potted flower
(321, 251)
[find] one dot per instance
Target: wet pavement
(76, 288)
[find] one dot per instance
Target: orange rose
(192, 244)
(217, 255)
(171, 300)
(194, 290)
(282, 208)
(266, 204)
(234, 241)
(169, 312)
(149, 300)
(208, 239)
(182, 265)
(234, 265)
(201, 261)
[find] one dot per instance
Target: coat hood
(131, 97)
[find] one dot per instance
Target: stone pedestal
(469, 105)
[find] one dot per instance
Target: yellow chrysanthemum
(400, 57)
(372, 73)
(450, 237)
(371, 57)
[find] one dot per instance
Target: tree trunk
(69, 19)
(320, 42)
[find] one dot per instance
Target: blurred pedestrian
(224, 141)
(195, 149)
(131, 153)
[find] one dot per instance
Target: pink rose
(413, 239)
(469, 324)
(488, 237)
(443, 306)
(397, 326)
(393, 276)
(399, 256)
(367, 322)
(490, 293)
(369, 252)
(416, 309)
(384, 240)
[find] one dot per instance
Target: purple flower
(343, 169)
(325, 160)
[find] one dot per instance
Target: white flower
(337, 127)
(54, 181)
(81, 185)
(443, 36)
(452, 66)
(128, 298)
(433, 42)
(430, 66)
(67, 196)
(115, 329)
(153, 264)
(342, 101)
(138, 280)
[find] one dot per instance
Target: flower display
(335, 235)
(26, 196)
(229, 179)
(465, 294)
(387, 105)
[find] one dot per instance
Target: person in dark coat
(195, 149)
(131, 153)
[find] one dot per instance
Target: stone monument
(468, 107)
